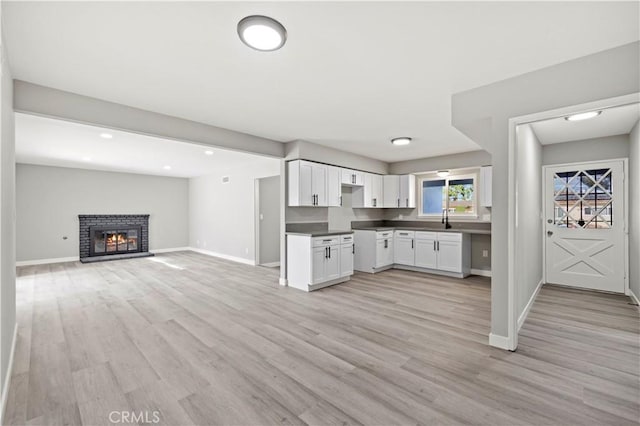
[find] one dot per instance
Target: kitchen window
(457, 194)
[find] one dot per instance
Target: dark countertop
(425, 229)
(322, 233)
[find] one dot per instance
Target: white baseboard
(224, 256)
(169, 250)
(481, 272)
(633, 297)
(7, 380)
(271, 264)
(284, 281)
(46, 261)
(525, 312)
(498, 341)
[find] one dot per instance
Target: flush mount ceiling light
(401, 141)
(444, 173)
(208, 153)
(106, 135)
(262, 33)
(583, 116)
(167, 167)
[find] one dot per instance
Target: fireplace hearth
(111, 237)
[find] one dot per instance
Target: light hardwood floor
(207, 341)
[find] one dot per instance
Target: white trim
(633, 297)
(501, 342)
(7, 380)
(224, 256)
(463, 216)
(511, 203)
(169, 250)
(271, 264)
(47, 261)
(525, 312)
(481, 272)
(283, 282)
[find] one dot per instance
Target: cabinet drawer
(346, 238)
(449, 236)
(326, 241)
(384, 234)
(405, 234)
(425, 235)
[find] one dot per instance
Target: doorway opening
(267, 211)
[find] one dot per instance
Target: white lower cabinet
(404, 248)
(426, 254)
(316, 262)
(444, 251)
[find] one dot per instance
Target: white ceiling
(50, 142)
(611, 122)
(351, 76)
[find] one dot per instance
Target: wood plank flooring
(205, 341)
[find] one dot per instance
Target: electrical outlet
(485, 253)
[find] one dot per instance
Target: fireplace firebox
(110, 237)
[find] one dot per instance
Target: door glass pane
(583, 199)
(111, 241)
(98, 242)
(132, 239)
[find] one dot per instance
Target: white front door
(585, 225)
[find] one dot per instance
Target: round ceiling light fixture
(106, 135)
(583, 116)
(401, 141)
(167, 167)
(262, 33)
(443, 173)
(208, 153)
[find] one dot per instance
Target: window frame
(473, 176)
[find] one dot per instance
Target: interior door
(585, 225)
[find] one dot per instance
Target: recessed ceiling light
(262, 33)
(167, 167)
(443, 173)
(401, 141)
(106, 135)
(583, 116)
(208, 152)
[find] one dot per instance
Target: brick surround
(117, 221)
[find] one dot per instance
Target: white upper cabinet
(370, 194)
(399, 191)
(307, 183)
(334, 186)
(352, 177)
(391, 190)
(486, 173)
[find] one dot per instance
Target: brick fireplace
(113, 236)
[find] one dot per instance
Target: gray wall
(222, 215)
(453, 161)
(49, 200)
(483, 114)
(586, 150)
(529, 214)
(7, 219)
(313, 152)
(269, 219)
(634, 208)
(341, 217)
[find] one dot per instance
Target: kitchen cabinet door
(332, 263)
(318, 267)
(376, 190)
(404, 251)
(319, 183)
(426, 254)
(334, 186)
(449, 255)
(391, 190)
(407, 191)
(384, 252)
(346, 259)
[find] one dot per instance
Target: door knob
(549, 220)
(549, 233)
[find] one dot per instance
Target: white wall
(341, 217)
(528, 215)
(595, 149)
(222, 215)
(49, 200)
(634, 208)
(7, 221)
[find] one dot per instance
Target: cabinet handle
(326, 253)
(398, 202)
(329, 251)
(353, 249)
(407, 202)
(341, 200)
(438, 245)
(386, 243)
(412, 244)
(434, 245)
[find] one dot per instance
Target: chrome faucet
(445, 218)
